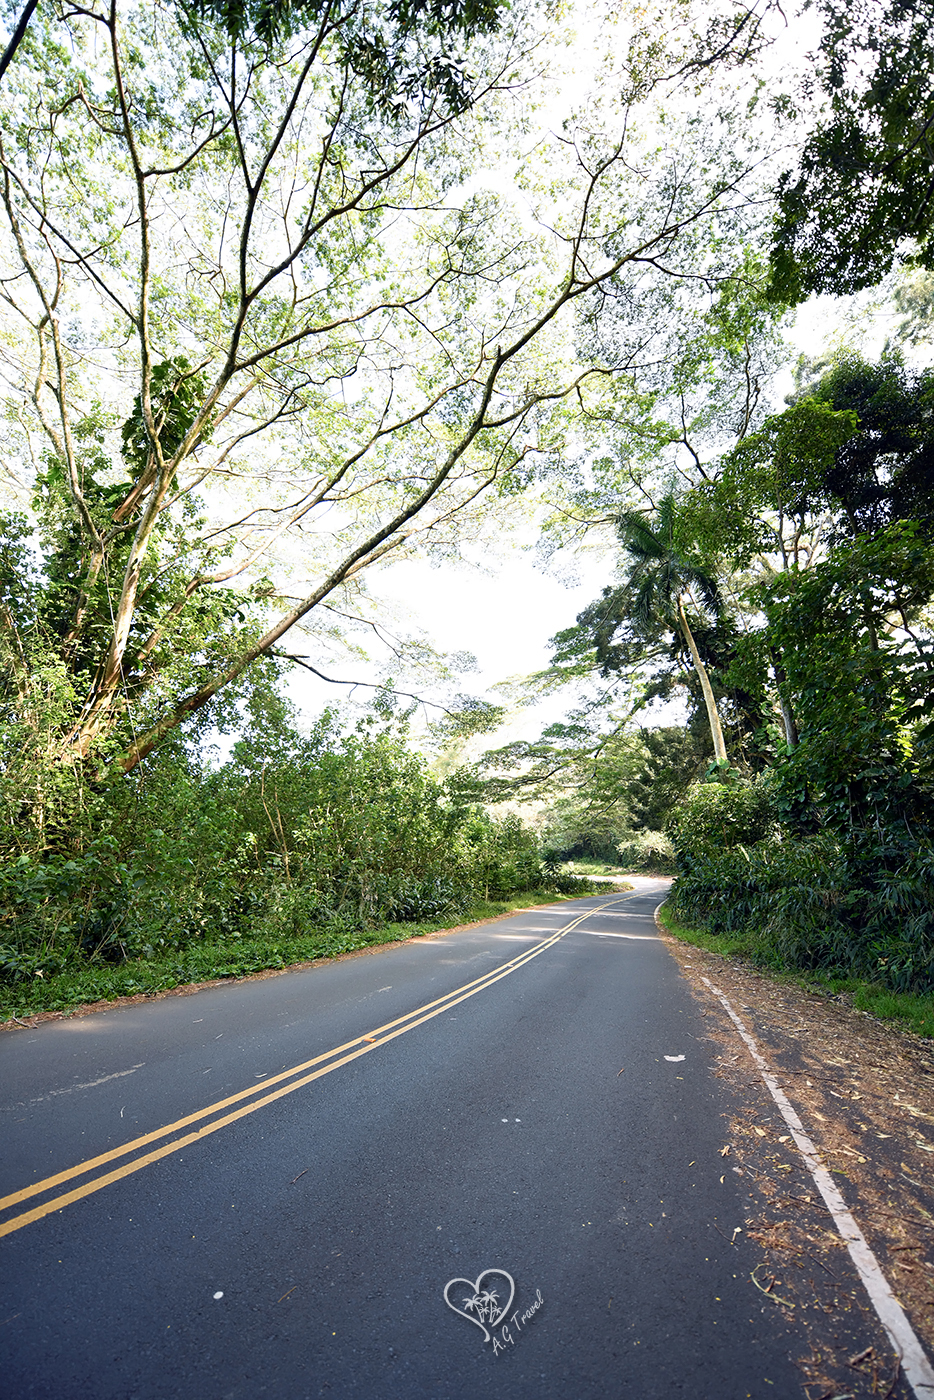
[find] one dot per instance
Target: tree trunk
(788, 714)
(716, 731)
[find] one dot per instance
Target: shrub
(650, 851)
(818, 905)
(717, 816)
(336, 833)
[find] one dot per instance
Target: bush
(818, 905)
(337, 833)
(648, 851)
(718, 816)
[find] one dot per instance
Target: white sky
(499, 603)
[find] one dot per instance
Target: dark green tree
(661, 579)
(862, 196)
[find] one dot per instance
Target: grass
(910, 1011)
(204, 962)
(591, 867)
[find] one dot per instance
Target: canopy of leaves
(404, 50)
(861, 690)
(865, 182)
(885, 471)
(854, 454)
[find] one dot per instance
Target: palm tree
(490, 1300)
(659, 579)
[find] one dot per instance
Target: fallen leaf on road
(725, 1151)
(768, 1291)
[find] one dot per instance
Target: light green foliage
(603, 791)
(270, 328)
(769, 487)
(649, 851)
(819, 526)
(293, 837)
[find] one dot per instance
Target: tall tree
(660, 579)
(823, 516)
(259, 336)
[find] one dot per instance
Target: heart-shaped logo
(480, 1302)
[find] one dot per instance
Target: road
(528, 1102)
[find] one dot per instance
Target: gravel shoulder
(864, 1091)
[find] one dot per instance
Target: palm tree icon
(489, 1300)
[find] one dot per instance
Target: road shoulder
(864, 1091)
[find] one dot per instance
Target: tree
(263, 339)
(863, 194)
(884, 470)
(660, 579)
(378, 44)
(824, 517)
(862, 688)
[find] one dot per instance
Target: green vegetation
(212, 958)
(805, 555)
(288, 335)
(824, 851)
(862, 196)
(297, 847)
(913, 1011)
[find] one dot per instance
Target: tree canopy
(266, 348)
(862, 195)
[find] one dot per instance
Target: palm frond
(700, 582)
(637, 535)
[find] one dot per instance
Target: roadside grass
(588, 869)
(591, 867)
(208, 961)
(910, 1011)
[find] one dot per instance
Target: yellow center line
(83, 1167)
(366, 1044)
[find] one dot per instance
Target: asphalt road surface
(263, 1189)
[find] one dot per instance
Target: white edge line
(914, 1362)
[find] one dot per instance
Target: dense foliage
(863, 193)
(819, 903)
(319, 838)
(804, 557)
(840, 646)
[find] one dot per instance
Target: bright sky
(499, 603)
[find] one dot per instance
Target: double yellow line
(214, 1117)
